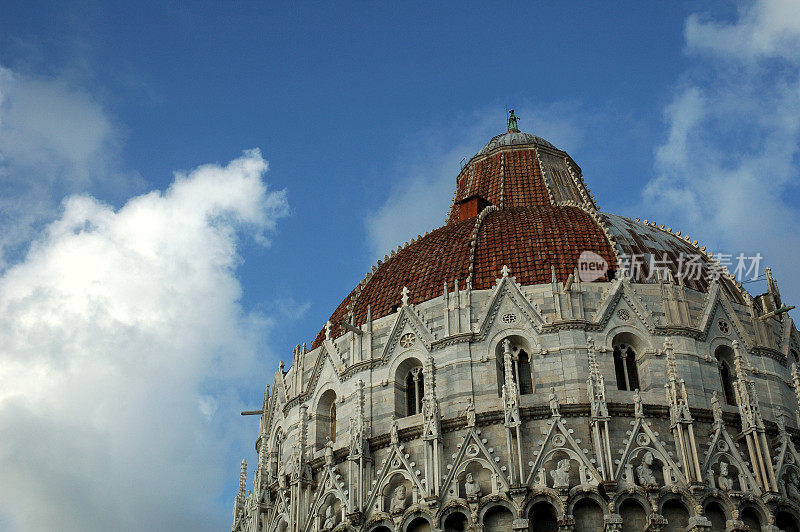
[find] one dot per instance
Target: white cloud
(730, 158)
(123, 348)
(55, 139)
(426, 171)
(765, 29)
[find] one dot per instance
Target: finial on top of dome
(512, 122)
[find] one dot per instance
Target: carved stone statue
(329, 453)
(393, 434)
(716, 409)
(561, 474)
(723, 480)
(398, 504)
(282, 478)
(294, 467)
(430, 415)
(469, 413)
(644, 471)
(512, 123)
(638, 409)
(471, 488)
(330, 519)
(793, 486)
(356, 435)
(554, 402)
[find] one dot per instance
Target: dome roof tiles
(529, 240)
(535, 215)
(513, 138)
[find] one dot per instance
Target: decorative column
(753, 425)
(358, 460)
(300, 477)
(415, 374)
(596, 389)
(446, 310)
(431, 433)
(681, 418)
(512, 417)
(238, 502)
(367, 341)
(457, 306)
(796, 382)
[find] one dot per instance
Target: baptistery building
(535, 364)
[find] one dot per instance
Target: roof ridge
(474, 239)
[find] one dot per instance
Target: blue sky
(680, 112)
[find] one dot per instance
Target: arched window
(415, 389)
(588, 515)
(333, 421)
(543, 517)
(727, 376)
(751, 518)
(498, 519)
(420, 524)
(716, 515)
(633, 515)
(677, 516)
(520, 365)
(277, 454)
(625, 366)
(787, 521)
(409, 388)
(456, 522)
(326, 418)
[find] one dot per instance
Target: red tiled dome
(529, 240)
(538, 217)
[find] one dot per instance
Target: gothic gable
(722, 448)
(621, 290)
(507, 294)
(397, 462)
(472, 449)
(717, 304)
(560, 442)
(642, 440)
(408, 320)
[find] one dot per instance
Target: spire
(242, 480)
(512, 122)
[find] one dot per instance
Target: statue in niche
(398, 504)
(430, 415)
(282, 479)
(330, 519)
(724, 481)
(644, 470)
(561, 474)
(554, 402)
(355, 436)
(294, 470)
(716, 409)
(638, 408)
(793, 486)
(469, 413)
(471, 488)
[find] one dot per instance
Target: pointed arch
(723, 354)
(325, 418)
(521, 370)
(626, 347)
(409, 387)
